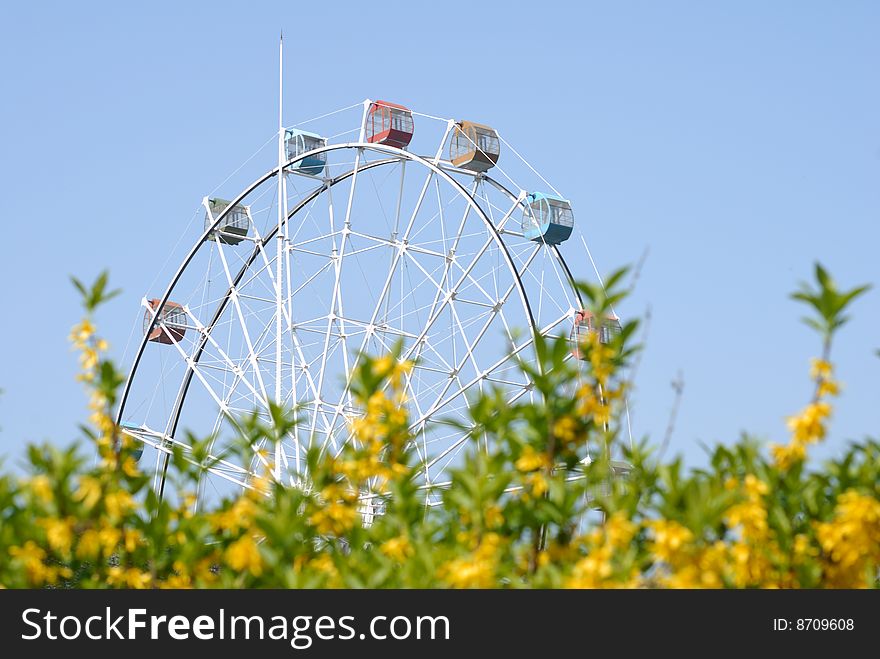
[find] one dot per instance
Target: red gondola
(389, 123)
(171, 324)
(586, 323)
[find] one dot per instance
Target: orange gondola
(474, 146)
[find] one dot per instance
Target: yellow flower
(684, 576)
(476, 569)
(109, 537)
(31, 556)
(89, 492)
(565, 429)
(325, 565)
(712, 562)
(337, 513)
(243, 554)
(82, 332)
(751, 565)
(118, 503)
(89, 545)
(619, 530)
(802, 547)
(134, 578)
(809, 426)
(751, 516)
(88, 360)
(538, 483)
(605, 546)
(670, 539)
(177, 581)
(785, 457)
(128, 578)
(383, 365)
(597, 407)
(602, 415)
(754, 487)
(56, 572)
(238, 516)
(59, 533)
(593, 570)
(130, 468)
(530, 460)
(397, 549)
(42, 487)
(335, 518)
(820, 369)
(828, 388)
(388, 367)
(850, 542)
(493, 517)
(131, 539)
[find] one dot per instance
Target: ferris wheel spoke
(547, 305)
(474, 283)
(396, 260)
(418, 205)
(221, 468)
(408, 301)
(387, 242)
(469, 349)
(320, 271)
(256, 273)
(197, 372)
(507, 329)
(370, 329)
(331, 319)
(449, 257)
(485, 327)
(337, 306)
(515, 351)
(445, 452)
(232, 366)
(252, 358)
(268, 269)
(450, 293)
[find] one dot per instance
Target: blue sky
(736, 142)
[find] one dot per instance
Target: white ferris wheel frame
(442, 169)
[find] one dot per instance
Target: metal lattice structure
(365, 245)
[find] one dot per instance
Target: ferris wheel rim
(435, 165)
(431, 164)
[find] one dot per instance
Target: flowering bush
(531, 511)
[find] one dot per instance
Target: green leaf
(828, 302)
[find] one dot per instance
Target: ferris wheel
(351, 245)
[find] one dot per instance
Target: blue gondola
(299, 142)
(138, 451)
(547, 218)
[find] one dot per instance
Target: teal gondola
(299, 142)
(547, 218)
(138, 451)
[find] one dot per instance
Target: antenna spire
(279, 253)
